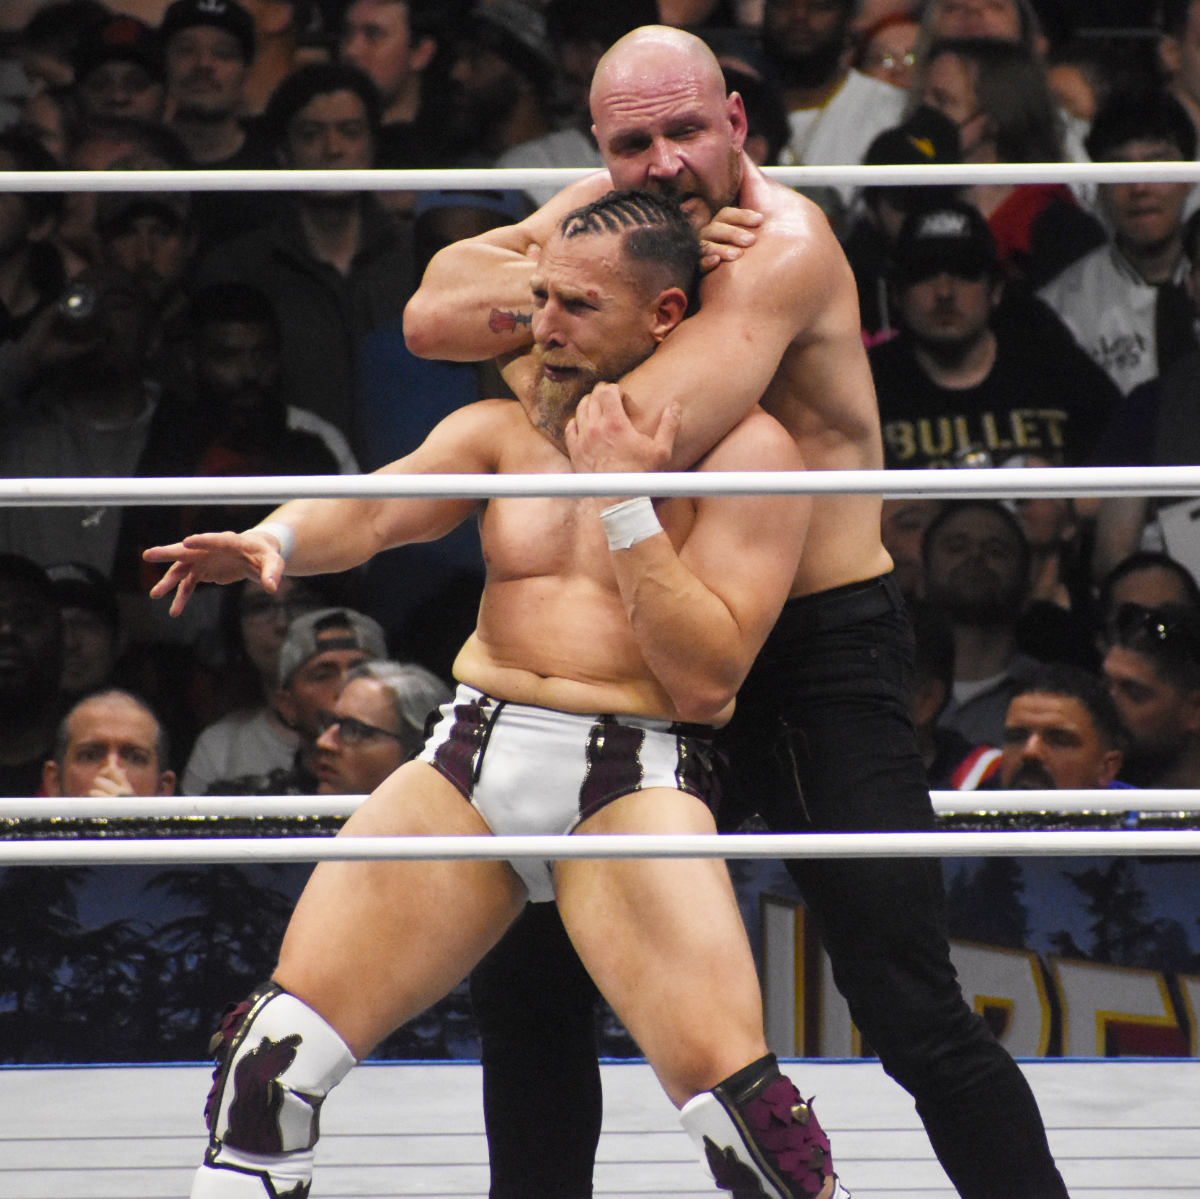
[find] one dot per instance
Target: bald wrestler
(611, 641)
(822, 739)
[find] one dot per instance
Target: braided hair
(655, 235)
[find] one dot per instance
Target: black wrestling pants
(823, 742)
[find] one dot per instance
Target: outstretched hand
(600, 437)
(216, 558)
(725, 237)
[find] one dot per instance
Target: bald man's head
(649, 54)
(664, 123)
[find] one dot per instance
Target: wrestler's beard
(691, 187)
(554, 402)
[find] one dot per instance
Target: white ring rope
(946, 803)
(520, 178)
(1063, 482)
(1072, 843)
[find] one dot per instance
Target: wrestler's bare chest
(548, 538)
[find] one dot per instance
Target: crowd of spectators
(254, 333)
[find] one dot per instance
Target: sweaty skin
(667, 628)
(779, 322)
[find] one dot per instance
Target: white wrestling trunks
(536, 771)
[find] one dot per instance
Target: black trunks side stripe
(459, 755)
(614, 765)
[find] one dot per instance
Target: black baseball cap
(951, 237)
(77, 585)
(926, 138)
(123, 39)
(224, 14)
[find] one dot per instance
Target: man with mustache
(209, 46)
(611, 640)
(822, 739)
(1062, 732)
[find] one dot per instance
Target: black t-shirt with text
(1044, 400)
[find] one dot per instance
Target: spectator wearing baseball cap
(209, 50)
(91, 621)
(959, 388)
(119, 72)
(926, 138)
(322, 647)
(505, 71)
(208, 47)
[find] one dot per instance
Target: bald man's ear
(668, 312)
(736, 111)
(166, 783)
(50, 779)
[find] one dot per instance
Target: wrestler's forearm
(686, 634)
(474, 303)
(331, 535)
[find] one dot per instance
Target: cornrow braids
(655, 232)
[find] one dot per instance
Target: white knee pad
(758, 1137)
(265, 1113)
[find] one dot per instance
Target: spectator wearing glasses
(1148, 578)
(321, 649)
(376, 725)
(1153, 672)
(253, 739)
(886, 49)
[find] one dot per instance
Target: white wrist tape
(629, 522)
(284, 534)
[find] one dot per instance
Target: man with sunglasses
(375, 726)
(1153, 672)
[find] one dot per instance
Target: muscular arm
(474, 301)
(792, 288)
(701, 613)
(334, 535)
(718, 364)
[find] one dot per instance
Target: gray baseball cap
(328, 628)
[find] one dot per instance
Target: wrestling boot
(276, 1061)
(759, 1139)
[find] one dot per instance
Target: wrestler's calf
(276, 1061)
(759, 1138)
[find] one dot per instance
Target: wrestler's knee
(277, 1059)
